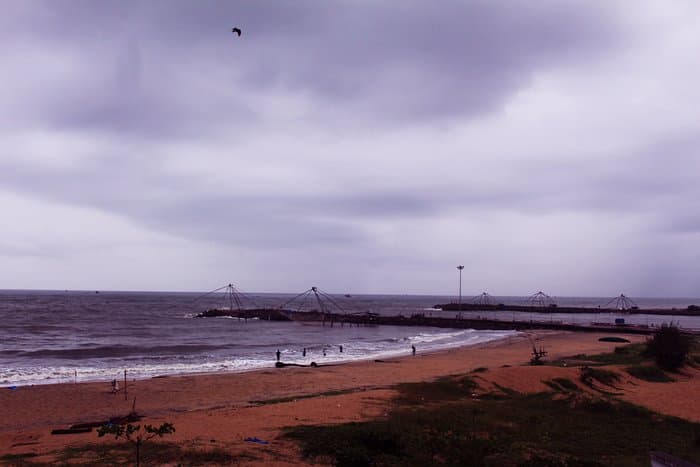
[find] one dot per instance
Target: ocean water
(52, 337)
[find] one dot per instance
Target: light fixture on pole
(460, 267)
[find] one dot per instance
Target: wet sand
(221, 410)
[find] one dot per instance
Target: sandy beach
(221, 410)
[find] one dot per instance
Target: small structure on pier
(484, 299)
(311, 300)
(622, 303)
(541, 299)
(233, 297)
(236, 303)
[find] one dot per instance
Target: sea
(49, 337)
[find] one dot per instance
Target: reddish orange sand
(219, 411)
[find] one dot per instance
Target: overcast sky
(359, 146)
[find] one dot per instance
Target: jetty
(315, 306)
(692, 310)
(374, 319)
(543, 303)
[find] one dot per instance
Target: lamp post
(460, 267)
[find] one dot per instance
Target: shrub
(649, 373)
(669, 347)
(562, 385)
(606, 377)
(136, 434)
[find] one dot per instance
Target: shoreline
(220, 410)
(320, 361)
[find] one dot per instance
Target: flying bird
(236, 31)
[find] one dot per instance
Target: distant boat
(348, 295)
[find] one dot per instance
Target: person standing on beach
(341, 348)
(413, 348)
(278, 355)
(303, 352)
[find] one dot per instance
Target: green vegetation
(136, 434)
(281, 400)
(17, 459)
(589, 376)
(562, 385)
(669, 347)
(632, 354)
(517, 429)
(649, 373)
(156, 454)
(443, 389)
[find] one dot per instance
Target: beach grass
(562, 385)
(17, 459)
(152, 453)
(591, 375)
(516, 429)
(440, 390)
(649, 373)
(281, 400)
(631, 354)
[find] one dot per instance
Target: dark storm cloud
(385, 133)
(170, 70)
(174, 68)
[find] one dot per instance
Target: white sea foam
(352, 351)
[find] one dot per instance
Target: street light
(460, 267)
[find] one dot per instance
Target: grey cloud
(251, 223)
(646, 182)
(135, 79)
(141, 65)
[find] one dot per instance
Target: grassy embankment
(443, 422)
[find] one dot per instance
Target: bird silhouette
(236, 31)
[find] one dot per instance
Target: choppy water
(49, 337)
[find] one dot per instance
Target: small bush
(606, 377)
(630, 354)
(649, 373)
(443, 389)
(562, 385)
(669, 347)
(566, 383)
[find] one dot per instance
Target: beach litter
(256, 440)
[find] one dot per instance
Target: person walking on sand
(413, 348)
(278, 353)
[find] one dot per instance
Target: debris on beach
(256, 440)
